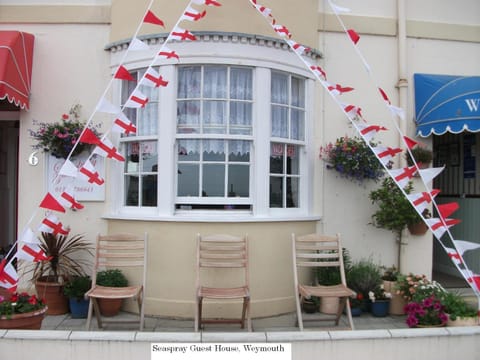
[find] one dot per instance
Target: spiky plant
(69, 256)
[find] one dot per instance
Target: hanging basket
(419, 228)
(29, 321)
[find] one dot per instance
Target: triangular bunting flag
(369, 131)
(123, 74)
(454, 256)
(138, 45)
(430, 173)
(69, 169)
(28, 236)
(181, 34)
(403, 176)
(52, 225)
(463, 246)
(192, 14)
(67, 198)
(409, 142)
(123, 125)
(282, 30)
(88, 173)
(106, 107)
(318, 71)
(386, 154)
(421, 200)
(353, 36)
(151, 18)
(89, 137)
(136, 100)
(439, 227)
(448, 209)
(299, 49)
(51, 203)
(8, 275)
(152, 78)
(106, 149)
(168, 54)
(32, 252)
(266, 12)
(338, 89)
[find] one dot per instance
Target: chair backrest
(221, 251)
(119, 251)
(314, 250)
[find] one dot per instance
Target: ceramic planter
(52, 292)
(379, 308)
(29, 321)
(79, 308)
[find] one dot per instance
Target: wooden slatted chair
(119, 251)
(218, 255)
(313, 251)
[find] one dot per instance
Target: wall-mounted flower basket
(419, 228)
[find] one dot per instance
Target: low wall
(396, 344)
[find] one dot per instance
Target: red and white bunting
(31, 252)
(403, 176)
(8, 275)
(369, 131)
(106, 149)
(52, 225)
(429, 174)
(68, 169)
(138, 45)
(123, 74)
(206, 2)
(123, 125)
(191, 14)
(28, 236)
(105, 106)
(409, 142)
(182, 35)
(319, 72)
(463, 246)
(439, 227)
(282, 30)
(447, 209)
(421, 200)
(88, 173)
(136, 100)
(152, 78)
(338, 89)
(353, 36)
(89, 137)
(67, 198)
(167, 54)
(266, 12)
(151, 18)
(353, 112)
(298, 48)
(454, 256)
(51, 203)
(385, 153)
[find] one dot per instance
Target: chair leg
(244, 310)
(198, 313)
(298, 297)
(141, 310)
(97, 312)
(89, 316)
(349, 315)
(249, 317)
(341, 306)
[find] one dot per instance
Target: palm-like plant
(69, 256)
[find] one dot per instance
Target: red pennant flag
(123, 74)
(319, 71)
(89, 137)
(384, 96)
(353, 36)
(446, 210)
(49, 202)
(409, 142)
(151, 18)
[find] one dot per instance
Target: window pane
(276, 191)
(133, 159)
(276, 158)
(241, 84)
(239, 151)
(293, 165)
(188, 116)
(214, 150)
(188, 180)
(131, 190)
(238, 181)
(189, 80)
(214, 116)
(215, 82)
(213, 180)
(149, 156)
(149, 190)
(279, 121)
(297, 125)
(279, 88)
(298, 92)
(188, 150)
(240, 118)
(292, 192)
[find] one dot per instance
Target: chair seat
(223, 293)
(105, 292)
(325, 291)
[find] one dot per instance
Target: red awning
(16, 51)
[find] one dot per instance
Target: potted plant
(75, 290)
(397, 302)
(68, 256)
(331, 276)
(353, 159)
(460, 312)
(427, 312)
(356, 304)
(22, 311)
(423, 156)
(380, 301)
(110, 278)
(364, 276)
(395, 212)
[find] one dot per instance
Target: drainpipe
(402, 86)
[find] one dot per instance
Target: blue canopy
(445, 103)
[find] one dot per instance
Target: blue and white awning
(445, 103)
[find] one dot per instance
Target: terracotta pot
(431, 326)
(52, 292)
(329, 305)
(31, 320)
(418, 228)
(109, 307)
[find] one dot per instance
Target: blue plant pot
(79, 308)
(380, 308)
(356, 311)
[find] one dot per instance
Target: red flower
(14, 298)
(65, 117)
(360, 296)
(33, 300)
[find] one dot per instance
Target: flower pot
(309, 306)
(52, 292)
(463, 321)
(109, 307)
(329, 305)
(30, 321)
(79, 308)
(419, 228)
(430, 326)
(379, 308)
(356, 311)
(397, 302)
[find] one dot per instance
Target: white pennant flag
(107, 107)
(138, 45)
(28, 236)
(430, 173)
(69, 169)
(463, 246)
(395, 110)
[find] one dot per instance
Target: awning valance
(445, 103)
(16, 51)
